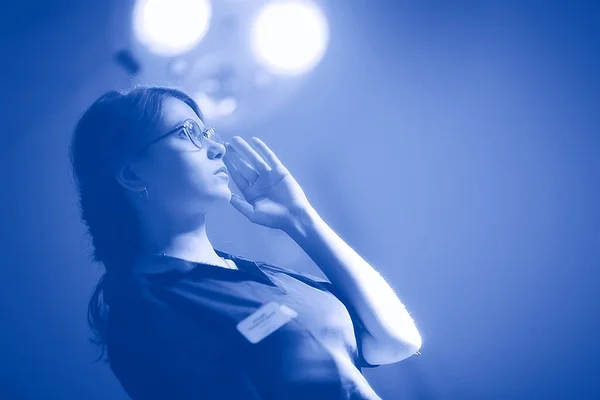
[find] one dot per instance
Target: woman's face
(180, 178)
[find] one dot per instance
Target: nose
(215, 150)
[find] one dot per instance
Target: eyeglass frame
(188, 121)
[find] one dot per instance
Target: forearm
(377, 305)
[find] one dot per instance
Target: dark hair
(107, 134)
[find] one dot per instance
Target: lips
(222, 169)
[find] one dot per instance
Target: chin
(222, 195)
(215, 196)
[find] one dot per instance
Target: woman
(182, 320)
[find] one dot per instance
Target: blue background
(455, 145)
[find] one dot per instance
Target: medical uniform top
(176, 334)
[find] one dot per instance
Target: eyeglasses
(194, 133)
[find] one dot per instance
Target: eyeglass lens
(198, 135)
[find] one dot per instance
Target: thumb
(242, 206)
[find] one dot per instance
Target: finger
(267, 153)
(242, 166)
(237, 177)
(242, 206)
(249, 153)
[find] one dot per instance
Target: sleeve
(326, 285)
(169, 359)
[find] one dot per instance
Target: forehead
(175, 111)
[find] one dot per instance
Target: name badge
(266, 320)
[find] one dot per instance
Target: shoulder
(320, 283)
(291, 272)
(146, 318)
(268, 267)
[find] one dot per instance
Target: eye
(181, 134)
(196, 134)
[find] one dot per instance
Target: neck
(189, 243)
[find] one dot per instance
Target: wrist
(302, 220)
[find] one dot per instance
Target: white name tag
(266, 320)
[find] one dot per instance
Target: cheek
(183, 173)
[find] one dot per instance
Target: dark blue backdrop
(455, 145)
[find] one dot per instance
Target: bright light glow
(290, 37)
(171, 27)
(213, 108)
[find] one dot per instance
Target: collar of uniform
(246, 265)
(180, 268)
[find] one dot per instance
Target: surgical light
(289, 37)
(171, 27)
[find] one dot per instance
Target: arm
(276, 200)
(391, 334)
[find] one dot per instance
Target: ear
(130, 179)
